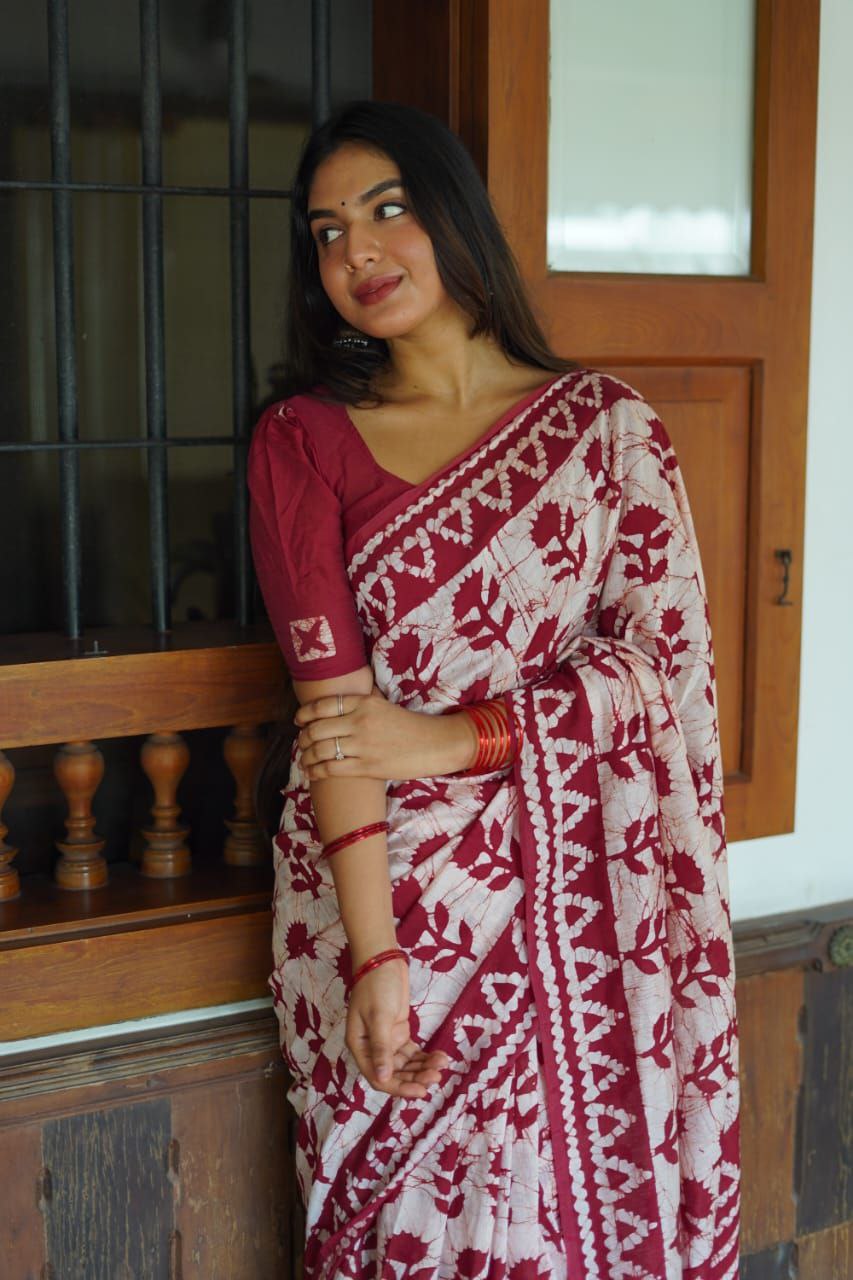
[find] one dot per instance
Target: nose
(362, 247)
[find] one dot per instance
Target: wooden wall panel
(22, 1252)
(232, 1214)
(828, 1255)
(108, 1215)
(170, 1156)
(769, 1009)
(825, 1174)
(770, 1264)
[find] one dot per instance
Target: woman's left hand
(378, 738)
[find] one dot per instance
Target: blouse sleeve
(296, 533)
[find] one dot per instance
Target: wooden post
(79, 768)
(165, 757)
(10, 883)
(244, 749)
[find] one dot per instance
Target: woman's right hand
(378, 1034)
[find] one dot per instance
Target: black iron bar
(48, 446)
(63, 286)
(241, 354)
(321, 68)
(134, 188)
(155, 364)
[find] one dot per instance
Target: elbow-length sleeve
(296, 534)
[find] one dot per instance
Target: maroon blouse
(312, 481)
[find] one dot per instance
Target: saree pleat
(567, 918)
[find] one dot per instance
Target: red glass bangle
(498, 733)
(497, 708)
(393, 953)
(484, 736)
(496, 755)
(494, 746)
(516, 735)
(493, 738)
(350, 837)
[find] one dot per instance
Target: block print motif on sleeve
(312, 638)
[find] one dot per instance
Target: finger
(411, 1053)
(382, 1050)
(373, 1048)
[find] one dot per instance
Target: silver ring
(339, 755)
(340, 704)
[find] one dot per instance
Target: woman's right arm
(378, 1015)
(360, 871)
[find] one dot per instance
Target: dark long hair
(476, 266)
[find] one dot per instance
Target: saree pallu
(567, 917)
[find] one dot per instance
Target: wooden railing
(211, 923)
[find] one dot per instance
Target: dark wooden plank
(22, 1251)
(109, 1212)
(426, 80)
(770, 1264)
(824, 1172)
(827, 1255)
(234, 1177)
(769, 1008)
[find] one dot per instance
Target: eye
(327, 234)
(394, 205)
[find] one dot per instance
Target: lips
(376, 289)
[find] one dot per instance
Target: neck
(440, 361)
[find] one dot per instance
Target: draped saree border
(590, 1234)
(362, 542)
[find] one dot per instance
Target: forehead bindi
(348, 175)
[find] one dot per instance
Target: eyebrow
(362, 199)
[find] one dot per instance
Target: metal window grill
(151, 190)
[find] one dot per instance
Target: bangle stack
(351, 837)
(499, 736)
(393, 953)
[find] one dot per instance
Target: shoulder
(290, 428)
(597, 390)
(627, 418)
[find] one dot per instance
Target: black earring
(351, 341)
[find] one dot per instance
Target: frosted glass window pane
(650, 136)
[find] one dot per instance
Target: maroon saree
(567, 918)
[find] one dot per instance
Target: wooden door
(724, 360)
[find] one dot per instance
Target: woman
(534, 1071)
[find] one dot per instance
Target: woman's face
(376, 262)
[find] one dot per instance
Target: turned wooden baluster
(244, 749)
(79, 768)
(165, 757)
(10, 884)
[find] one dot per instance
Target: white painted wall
(814, 864)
